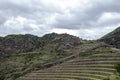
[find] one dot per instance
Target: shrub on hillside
(117, 67)
(107, 78)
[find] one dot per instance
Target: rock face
(67, 42)
(112, 38)
(24, 43)
(18, 43)
(64, 41)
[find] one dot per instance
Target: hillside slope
(25, 43)
(22, 53)
(18, 43)
(96, 64)
(113, 38)
(58, 57)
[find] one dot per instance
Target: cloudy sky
(88, 19)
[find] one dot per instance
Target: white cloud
(109, 16)
(20, 23)
(64, 4)
(59, 31)
(94, 33)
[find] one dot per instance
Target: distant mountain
(22, 53)
(21, 56)
(113, 38)
(26, 43)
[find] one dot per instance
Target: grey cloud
(33, 9)
(75, 19)
(2, 20)
(13, 9)
(89, 17)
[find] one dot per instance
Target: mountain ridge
(112, 38)
(26, 43)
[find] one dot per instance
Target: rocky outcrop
(64, 41)
(67, 42)
(18, 43)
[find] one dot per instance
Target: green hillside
(113, 38)
(25, 43)
(59, 57)
(96, 64)
(23, 53)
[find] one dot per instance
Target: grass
(100, 51)
(117, 67)
(12, 65)
(107, 78)
(18, 63)
(70, 69)
(116, 76)
(90, 53)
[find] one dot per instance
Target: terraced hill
(96, 64)
(15, 65)
(59, 57)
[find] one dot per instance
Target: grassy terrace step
(80, 78)
(117, 59)
(96, 59)
(106, 55)
(85, 68)
(73, 71)
(102, 73)
(77, 68)
(28, 53)
(66, 76)
(77, 76)
(90, 65)
(47, 79)
(97, 74)
(84, 65)
(103, 56)
(93, 62)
